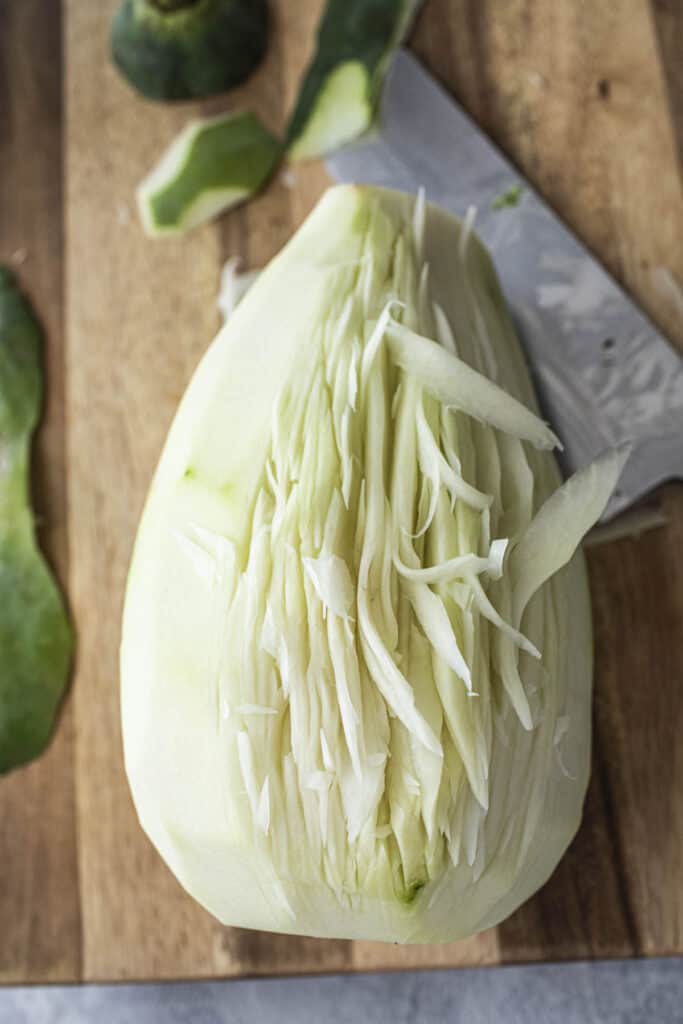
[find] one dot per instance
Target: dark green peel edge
(359, 31)
(35, 634)
(237, 153)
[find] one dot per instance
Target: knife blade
(603, 372)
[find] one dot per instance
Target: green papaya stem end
(172, 50)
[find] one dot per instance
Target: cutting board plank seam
(627, 908)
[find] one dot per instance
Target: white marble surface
(632, 992)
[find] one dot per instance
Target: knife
(603, 372)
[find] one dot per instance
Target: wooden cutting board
(588, 100)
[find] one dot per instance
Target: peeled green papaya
(35, 635)
(356, 652)
(187, 49)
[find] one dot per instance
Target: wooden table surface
(588, 100)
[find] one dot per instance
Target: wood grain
(668, 23)
(39, 908)
(584, 99)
